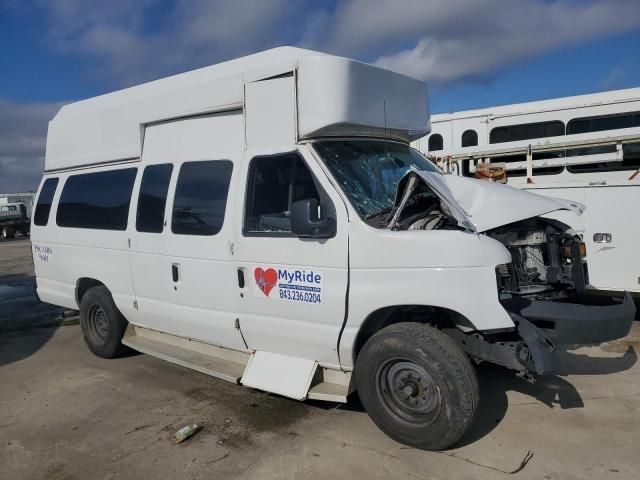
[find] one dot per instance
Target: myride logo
(294, 285)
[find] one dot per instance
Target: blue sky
(472, 53)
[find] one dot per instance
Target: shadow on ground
(16, 346)
(552, 391)
(20, 311)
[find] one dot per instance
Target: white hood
(480, 205)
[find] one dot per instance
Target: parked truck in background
(14, 219)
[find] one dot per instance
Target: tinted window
(435, 142)
(97, 200)
(469, 138)
(603, 122)
(526, 131)
(153, 197)
(575, 152)
(41, 215)
(274, 184)
(630, 161)
(201, 197)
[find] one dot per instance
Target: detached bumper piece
(576, 324)
(538, 353)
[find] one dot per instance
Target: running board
(331, 385)
(289, 376)
(223, 363)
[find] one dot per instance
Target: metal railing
(445, 161)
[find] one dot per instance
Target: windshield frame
(329, 170)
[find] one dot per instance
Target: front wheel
(417, 385)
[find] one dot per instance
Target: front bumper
(543, 324)
(577, 324)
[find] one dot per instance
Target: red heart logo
(265, 279)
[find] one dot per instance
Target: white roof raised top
(111, 127)
(279, 58)
(590, 99)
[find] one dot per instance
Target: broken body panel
(541, 287)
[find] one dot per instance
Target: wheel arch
(84, 284)
(436, 316)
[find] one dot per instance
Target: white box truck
(265, 221)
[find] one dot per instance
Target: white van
(265, 221)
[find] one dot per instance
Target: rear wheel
(102, 323)
(417, 385)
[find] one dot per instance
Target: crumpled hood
(480, 205)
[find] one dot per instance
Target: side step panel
(331, 385)
(291, 377)
(223, 363)
(281, 374)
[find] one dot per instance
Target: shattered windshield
(368, 171)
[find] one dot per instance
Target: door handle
(602, 238)
(175, 272)
(241, 278)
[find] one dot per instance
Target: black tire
(7, 233)
(416, 360)
(102, 323)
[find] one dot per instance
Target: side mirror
(305, 221)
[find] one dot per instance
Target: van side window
(153, 198)
(43, 207)
(274, 183)
(201, 197)
(97, 200)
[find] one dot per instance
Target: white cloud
(125, 42)
(487, 36)
(438, 40)
(615, 78)
(23, 129)
(137, 41)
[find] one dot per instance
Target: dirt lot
(66, 414)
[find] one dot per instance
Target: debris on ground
(185, 432)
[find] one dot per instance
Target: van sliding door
(184, 276)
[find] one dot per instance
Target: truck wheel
(7, 232)
(417, 385)
(102, 323)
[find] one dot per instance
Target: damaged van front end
(544, 288)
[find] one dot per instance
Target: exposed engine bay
(545, 256)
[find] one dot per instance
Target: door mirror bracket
(306, 223)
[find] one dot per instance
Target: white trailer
(584, 148)
(265, 221)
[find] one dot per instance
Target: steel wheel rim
(98, 324)
(408, 392)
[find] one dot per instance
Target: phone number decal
(295, 295)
